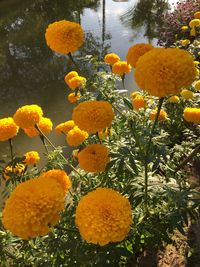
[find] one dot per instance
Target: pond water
(31, 73)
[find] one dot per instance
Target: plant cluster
(128, 189)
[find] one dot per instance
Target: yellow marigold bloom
(136, 51)
(174, 99)
(187, 94)
(103, 216)
(93, 116)
(192, 115)
(33, 207)
(10, 170)
(138, 102)
(196, 72)
(111, 58)
(94, 158)
(121, 68)
(69, 76)
(45, 125)
(64, 36)
(134, 94)
(185, 42)
(193, 32)
(105, 133)
(76, 82)
(197, 85)
(8, 129)
(76, 136)
(60, 177)
(162, 115)
(194, 23)
(197, 15)
(31, 157)
(65, 127)
(162, 72)
(196, 63)
(73, 98)
(184, 28)
(28, 115)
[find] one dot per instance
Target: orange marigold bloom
(93, 116)
(163, 72)
(138, 102)
(136, 51)
(60, 177)
(73, 98)
(28, 115)
(187, 94)
(45, 125)
(111, 58)
(31, 157)
(76, 82)
(93, 158)
(174, 99)
(197, 15)
(33, 207)
(103, 216)
(76, 136)
(65, 127)
(11, 170)
(121, 68)
(162, 115)
(192, 115)
(70, 75)
(8, 129)
(64, 36)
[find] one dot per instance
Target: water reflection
(147, 14)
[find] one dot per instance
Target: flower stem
(146, 162)
(49, 141)
(123, 80)
(74, 62)
(44, 143)
(11, 149)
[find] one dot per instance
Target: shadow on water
(147, 14)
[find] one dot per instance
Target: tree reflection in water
(145, 13)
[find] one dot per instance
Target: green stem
(11, 149)
(44, 143)
(66, 161)
(123, 80)
(74, 62)
(146, 162)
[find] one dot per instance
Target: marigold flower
(197, 15)
(8, 129)
(65, 127)
(185, 42)
(33, 207)
(197, 85)
(111, 58)
(134, 94)
(73, 98)
(184, 28)
(162, 72)
(45, 125)
(194, 23)
(196, 63)
(93, 158)
(69, 76)
(197, 72)
(31, 157)
(103, 216)
(174, 99)
(28, 115)
(10, 170)
(192, 115)
(121, 68)
(187, 94)
(76, 82)
(60, 177)
(93, 116)
(162, 116)
(64, 36)
(76, 136)
(138, 102)
(136, 51)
